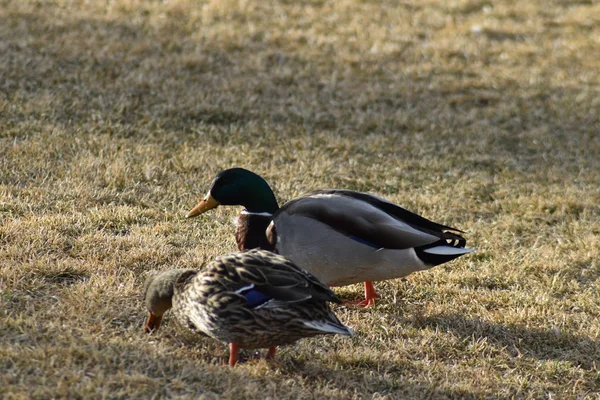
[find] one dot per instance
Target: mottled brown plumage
(255, 299)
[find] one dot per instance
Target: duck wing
(368, 219)
(265, 279)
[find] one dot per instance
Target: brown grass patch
(115, 116)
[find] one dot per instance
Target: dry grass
(115, 116)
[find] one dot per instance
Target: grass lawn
(116, 115)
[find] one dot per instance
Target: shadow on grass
(395, 380)
(302, 372)
(133, 365)
(541, 344)
(124, 73)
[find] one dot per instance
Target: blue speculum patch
(255, 298)
(363, 241)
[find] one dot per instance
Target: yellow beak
(208, 203)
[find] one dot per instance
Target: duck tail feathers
(329, 327)
(443, 251)
(448, 250)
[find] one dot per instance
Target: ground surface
(116, 115)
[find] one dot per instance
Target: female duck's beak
(153, 323)
(206, 204)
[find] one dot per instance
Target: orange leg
(271, 353)
(233, 353)
(370, 296)
(369, 288)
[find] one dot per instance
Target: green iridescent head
(238, 187)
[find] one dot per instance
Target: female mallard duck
(255, 299)
(341, 236)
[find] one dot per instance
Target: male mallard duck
(255, 299)
(341, 236)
